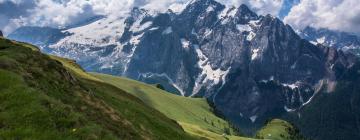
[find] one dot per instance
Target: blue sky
(342, 15)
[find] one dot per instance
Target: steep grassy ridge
(40, 99)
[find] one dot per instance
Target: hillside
(194, 114)
(40, 99)
(279, 130)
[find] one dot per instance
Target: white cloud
(60, 13)
(342, 15)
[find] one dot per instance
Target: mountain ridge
(341, 40)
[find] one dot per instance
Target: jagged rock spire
(244, 14)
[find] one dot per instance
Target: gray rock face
(1, 34)
(250, 67)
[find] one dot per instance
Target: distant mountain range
(340, 40)
(250, 67)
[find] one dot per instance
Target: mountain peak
(203, 5)
(1, 34)
(244, 14)
(244, 7)
(136, 11)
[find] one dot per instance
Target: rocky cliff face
(251, 67)
(1, 34)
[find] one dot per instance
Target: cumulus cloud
(13, 9)
(342, 15)
(61, 13)
(57, 13)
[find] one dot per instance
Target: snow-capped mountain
(340, 40)
(251, 67)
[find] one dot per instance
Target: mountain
(340, 40)
(250, 67)
(48, 97)
(1, 34)
(39, 36)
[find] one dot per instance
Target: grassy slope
(279, 130)
(194, 114)
(40, 99)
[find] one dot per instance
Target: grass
(278, 129)
(199, 131)
(194, 114)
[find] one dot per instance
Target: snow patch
(313, 42)
(271, 78)
(207, 32)
(250, 36)
(255, 54)
(102, 32)
(193, 32)
(140, 27)
(232, 12)
(208, 74)
(210, 9)
(243, 28)
(321, 40)
(288, 109)
(293, 66)
(223, 13)
(154, 28)
(204, 64)
(135, 40)
(168, 30)
(254, 23)
(226, 14)
(292, 86)
(185, 43)
(253, 118)
(107, 65)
